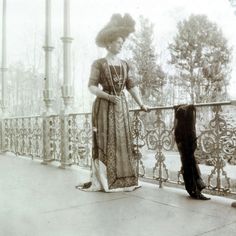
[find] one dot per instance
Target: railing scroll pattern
(23, 136)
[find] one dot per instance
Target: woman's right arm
(98, 92)
(93, 84)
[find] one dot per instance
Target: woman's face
(115, 46)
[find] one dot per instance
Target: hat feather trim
(117, 27)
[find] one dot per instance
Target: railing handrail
(80, 113)
(232, 102)
(21, 117)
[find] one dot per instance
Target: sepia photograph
(117, 118)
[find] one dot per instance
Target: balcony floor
(41, 200)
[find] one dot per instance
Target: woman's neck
(112, 58)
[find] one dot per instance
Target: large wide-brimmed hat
(117, 27)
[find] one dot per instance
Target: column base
(47, 161)
(64, 165)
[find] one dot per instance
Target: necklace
(119, 78)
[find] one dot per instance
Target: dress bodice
(117, 78)
(113, 79)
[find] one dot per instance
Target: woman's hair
(117, 27)
(113, 38)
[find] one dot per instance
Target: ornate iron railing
(22, 136)
(80, 139)
(68, 139)
(156, 151)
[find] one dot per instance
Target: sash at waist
(111, 92)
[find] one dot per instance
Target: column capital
(67, 39)
(48, 48)
(48, 100)
(67, 95)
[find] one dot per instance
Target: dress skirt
(113, 165)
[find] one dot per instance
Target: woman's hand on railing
(144, 108)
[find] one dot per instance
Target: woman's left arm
(135, 94)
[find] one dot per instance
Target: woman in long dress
(113, 164)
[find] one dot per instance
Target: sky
(25, 32)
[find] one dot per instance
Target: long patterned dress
(113, 164)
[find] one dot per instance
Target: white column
(67, 90)
(3, 66)
(3, 70)
(48, 92)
